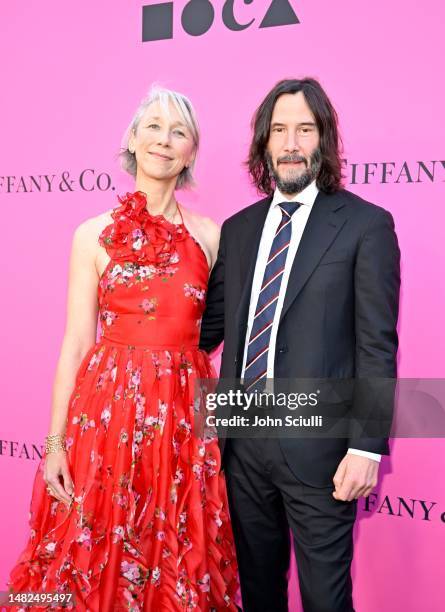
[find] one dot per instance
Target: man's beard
(295, 183)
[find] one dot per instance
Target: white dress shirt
(299, 219)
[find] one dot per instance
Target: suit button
(282, 349)
(236, 359)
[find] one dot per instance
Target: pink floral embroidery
(196, 293)
(149, 305)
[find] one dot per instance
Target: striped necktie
(258, 347)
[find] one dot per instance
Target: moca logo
(198, 16)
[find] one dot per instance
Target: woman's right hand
(57, 477)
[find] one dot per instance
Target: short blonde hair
(187, 112)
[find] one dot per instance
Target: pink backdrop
(72, 75)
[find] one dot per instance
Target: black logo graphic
(157, 21)
(198, 16)
(280, 13)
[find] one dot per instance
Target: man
(306, 285)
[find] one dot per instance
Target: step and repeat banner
(72, 76)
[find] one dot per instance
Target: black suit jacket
(339, 315)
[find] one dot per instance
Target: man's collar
(305, 197)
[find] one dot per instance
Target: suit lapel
(324, 223)
(250, 236)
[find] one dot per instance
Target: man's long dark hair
(329, 178)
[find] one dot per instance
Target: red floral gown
(149, 527)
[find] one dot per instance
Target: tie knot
(289, 208)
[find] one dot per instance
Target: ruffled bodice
(152, 292)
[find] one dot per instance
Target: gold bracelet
(55, 443)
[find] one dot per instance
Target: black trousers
(265, 499)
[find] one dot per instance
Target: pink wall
(72, 75)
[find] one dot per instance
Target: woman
(129, 508)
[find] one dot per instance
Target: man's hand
(355, 477)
